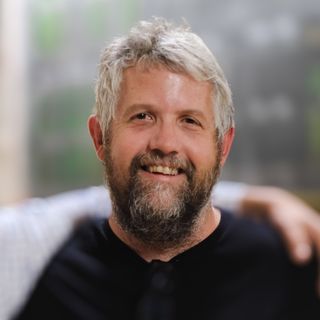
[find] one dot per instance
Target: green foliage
(48, 31)
(313, 112)
(313, 118)
(313, 81)
(312, 197)
(63, 157)
(96, 16)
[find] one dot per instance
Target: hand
(297, 222)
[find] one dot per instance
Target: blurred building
(14, 107)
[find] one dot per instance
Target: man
(163, 128)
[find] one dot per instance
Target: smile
(162, 170)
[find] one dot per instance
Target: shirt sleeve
(228, 195)
(31, 232)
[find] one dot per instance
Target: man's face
(162, 157)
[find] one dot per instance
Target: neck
(206, 224)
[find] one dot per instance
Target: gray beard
(157, 214)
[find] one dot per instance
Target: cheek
(203, 153)
(124, 147)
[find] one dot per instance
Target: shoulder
(258, 245)
(249, 235)
(81, 259)
(76, 277)
(89, 238)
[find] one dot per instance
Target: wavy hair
(160, 43)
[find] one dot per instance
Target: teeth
(163, 170)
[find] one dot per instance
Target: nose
(165, 138)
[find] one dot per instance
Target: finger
(315, 236)
(314, 232)
(302, 252)
(298, 243)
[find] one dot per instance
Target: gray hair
(160, 43)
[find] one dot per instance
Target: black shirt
(241, 271)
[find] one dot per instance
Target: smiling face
(162, 156)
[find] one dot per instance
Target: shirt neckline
(124, 252)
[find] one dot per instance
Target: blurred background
(49, 51)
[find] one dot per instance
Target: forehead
(159, 86)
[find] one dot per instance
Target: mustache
(158, 158)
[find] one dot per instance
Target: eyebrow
(141, 106)
(194, 112)
(137, 106)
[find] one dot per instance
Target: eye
(142, 116)
(191, 121)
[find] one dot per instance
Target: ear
(226, 145)
(96, 135)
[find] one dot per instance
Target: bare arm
(297, 222)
